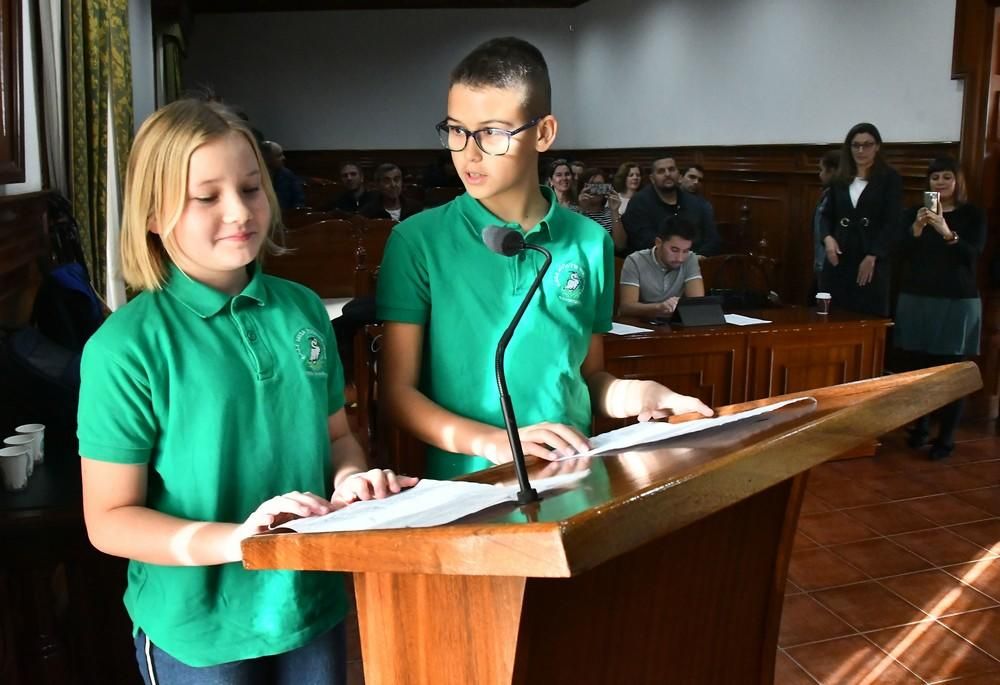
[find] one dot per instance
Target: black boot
(919, 432)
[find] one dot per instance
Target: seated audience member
(627, 181)
(354, 196)
(654, 279)
(693, 181)
(287, 186)
(828, 166)
(601, 207)
(561, 181)
(577, 167)
(441, 173)
(662, 198)
(389, 203)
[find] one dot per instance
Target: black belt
(846, 221)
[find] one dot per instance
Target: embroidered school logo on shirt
(570, 280)
(309, 345)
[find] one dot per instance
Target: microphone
(509, 242)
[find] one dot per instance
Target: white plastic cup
(823, 303)
(14, 467)
(28, 441)
(37, 430)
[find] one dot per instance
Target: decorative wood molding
(11, 94)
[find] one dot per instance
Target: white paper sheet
(654, 431)
(428, 503)
(625, 329)
(740, 320)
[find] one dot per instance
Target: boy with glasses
(446, 298)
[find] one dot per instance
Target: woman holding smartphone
(859, 224)
(599, 201)
(939, 313)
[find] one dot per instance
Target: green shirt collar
(206, 301)
(478, 217)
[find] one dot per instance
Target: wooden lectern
(663, 565)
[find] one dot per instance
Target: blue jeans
(320, 662)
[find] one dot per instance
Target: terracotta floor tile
(987, 499)
(983, 533)
(791, 588)
(940, 546)
(848, 493)
(803, 541)
(902, 486)
(891, 517)
(946, 509)
(984, 679)
(977, 430)
(987, 471)
(984, 575)
(851, 661)
(938, 593)
(950, 479)
(933, 652)
(811, 503)
(981, 628)
(816, 568)
(834, 527)
(803, 619)
(865, 468)
(787, 672)
(880, 557)
(868, 606)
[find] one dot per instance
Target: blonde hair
(157, 178)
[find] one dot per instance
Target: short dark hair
(664, 154)
(830, 160)
(590, 172)
(699, 167)
(508, 63)
(383, 169)
(939, 164)
(675, 225)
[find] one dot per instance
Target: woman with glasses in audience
(627, 181)
(599, 201)
(859, 225)
(561, 181)
(939, 313)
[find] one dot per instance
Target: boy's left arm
(620, 398)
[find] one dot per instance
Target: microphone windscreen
(505, 241)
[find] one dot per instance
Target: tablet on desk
(699, 311)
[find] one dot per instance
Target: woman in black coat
(939, 315)
(859, 224)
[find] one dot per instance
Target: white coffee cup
(28, 441)
(823, 303)
(38, 431)
(14, 467)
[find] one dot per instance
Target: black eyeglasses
(492, 141)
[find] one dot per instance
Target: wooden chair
(320, 193)
(434, 197)
(322, 256)
(739, 276)
(375, 234)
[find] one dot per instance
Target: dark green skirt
(938, 325)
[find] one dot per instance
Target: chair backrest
(434, 197)
(321, 193)
(375, 234)
(321, 256)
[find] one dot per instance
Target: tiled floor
(896, 573)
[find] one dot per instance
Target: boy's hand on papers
(278, 509)
(543, 440)
(658, 401)
(371, 484)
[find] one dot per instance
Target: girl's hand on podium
(371, 484)
(658, 401)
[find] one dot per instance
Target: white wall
(360, 79)
(764, 71)
(625, 72)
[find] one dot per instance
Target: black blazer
(873, 226)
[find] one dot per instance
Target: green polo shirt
(438, 273)
(226, 400)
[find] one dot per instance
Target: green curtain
(173, 57)
(99, 70)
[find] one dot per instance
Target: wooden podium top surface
(631, 498)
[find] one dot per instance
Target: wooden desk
(721, 365)
(663, 565)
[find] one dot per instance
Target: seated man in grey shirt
(654, 279)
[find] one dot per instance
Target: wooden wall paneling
(11, 97)
(24, 255)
